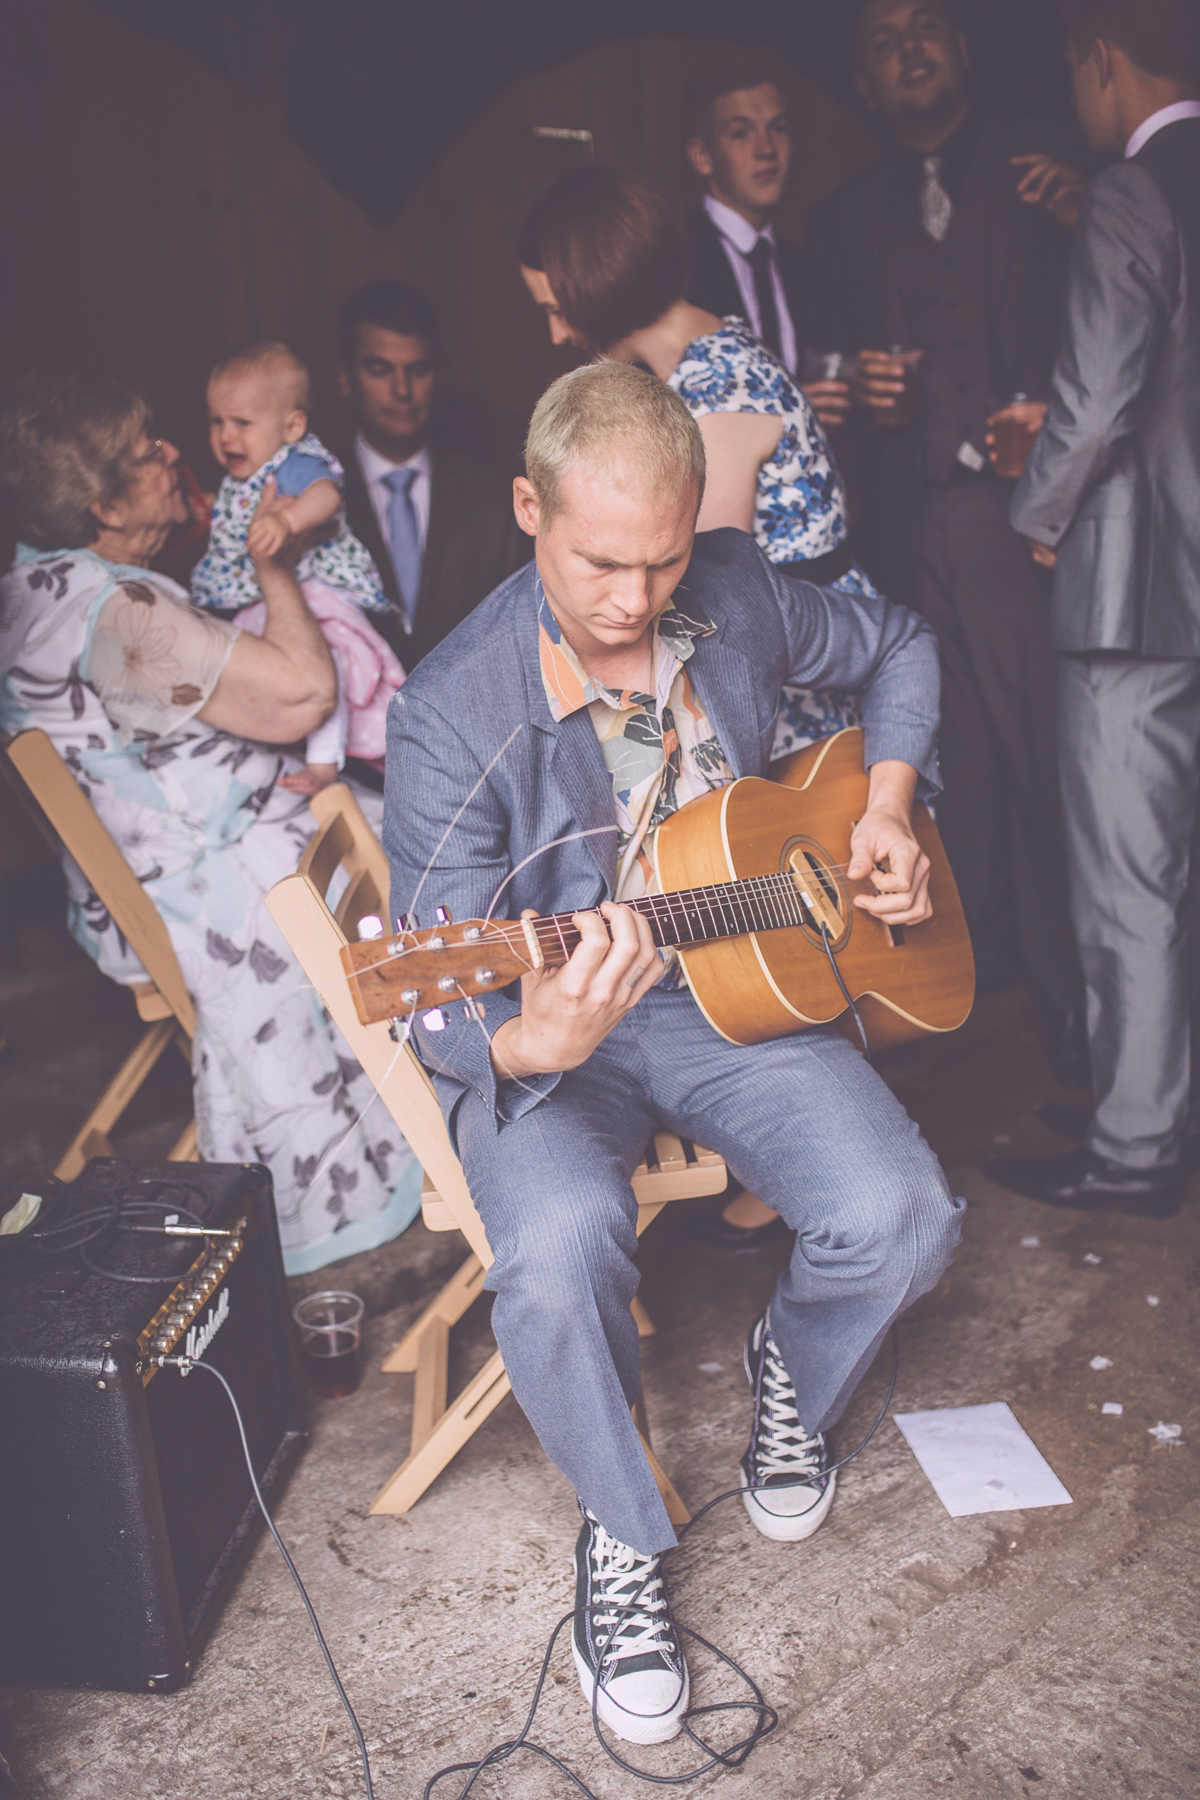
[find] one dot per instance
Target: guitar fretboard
(689, 915)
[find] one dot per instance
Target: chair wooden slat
(163, 1002)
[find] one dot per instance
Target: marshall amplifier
(126, 1510)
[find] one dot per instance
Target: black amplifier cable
(186, 1364)
(737, 1753)
(733, 1757)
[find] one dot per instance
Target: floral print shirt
(659, 748)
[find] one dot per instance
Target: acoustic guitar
(755, 899)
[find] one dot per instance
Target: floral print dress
(114, 664)
(800, 510)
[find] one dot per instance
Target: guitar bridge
(825, 914)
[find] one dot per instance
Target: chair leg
(92, 1137)
(677, 1512)
(459, 1293)
(641, 1318)
(456, 1426)
(185, 1148)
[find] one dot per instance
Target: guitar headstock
(391, 977)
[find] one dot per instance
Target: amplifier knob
(177, 1319)
(163, 1342)
(235, 1244)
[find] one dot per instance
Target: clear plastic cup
(330, 1327)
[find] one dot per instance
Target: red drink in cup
(330, 1327)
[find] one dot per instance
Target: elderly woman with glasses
(176, 726)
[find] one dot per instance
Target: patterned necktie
(762, 261)
(937, 208)
(404, 532)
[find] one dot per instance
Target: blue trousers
(803, 1122)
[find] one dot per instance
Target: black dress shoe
(1091, 1183)
(714, 1228)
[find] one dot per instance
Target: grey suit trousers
(1129, 752)
(802, 1121)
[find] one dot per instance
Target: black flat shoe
(714, 1228)
(1091, 1183)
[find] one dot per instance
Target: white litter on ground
(1151, 1299)
(1114, 1407)
(1166, 1434)
(1031, 1243)
(978, 1460)
(1090, 1256)
(1100, 1362)
(711, 1368)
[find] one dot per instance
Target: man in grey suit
(1111, 499)
(530, 758)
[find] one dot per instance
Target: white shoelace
(784, 1447)
(618, 1572)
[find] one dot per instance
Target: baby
(280, 480)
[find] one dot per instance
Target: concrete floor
(1049, 1652)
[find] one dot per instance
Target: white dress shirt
(374, 467)
(738, 238)
(1166, 115)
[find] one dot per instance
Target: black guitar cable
(837, 976)
(766, 1718)
(185, 1365)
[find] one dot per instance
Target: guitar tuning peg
(442, 915)
(401, 921)
(434, 1020)
(369, 927)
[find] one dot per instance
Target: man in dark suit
(955, 243)
(1111, 495)
(436, 517)
(739, 143)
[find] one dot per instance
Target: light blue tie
(405, 533)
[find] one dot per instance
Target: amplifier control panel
(167, 1332)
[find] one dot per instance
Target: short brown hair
(615, 253)
(272, 359)
(605, 411)
(1161, 37)
(66, 446)
(733, 72)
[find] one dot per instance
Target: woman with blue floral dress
(605, 258)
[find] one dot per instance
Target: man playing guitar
(630, 668)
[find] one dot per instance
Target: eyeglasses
(157, 453)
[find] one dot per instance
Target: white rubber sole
(633, 1728)
(780, 1527)
(786, 1528)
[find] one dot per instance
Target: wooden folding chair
(163, 1001)
(673, 1170)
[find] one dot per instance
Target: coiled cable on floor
(732, 1757)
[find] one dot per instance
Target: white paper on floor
(979, 1460)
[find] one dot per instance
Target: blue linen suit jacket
(484, 787)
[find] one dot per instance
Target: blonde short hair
(607, 410)
(276, 362)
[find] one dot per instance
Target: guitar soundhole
(824, 902)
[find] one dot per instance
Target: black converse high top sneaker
(784, 1464)
(625, 1640)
